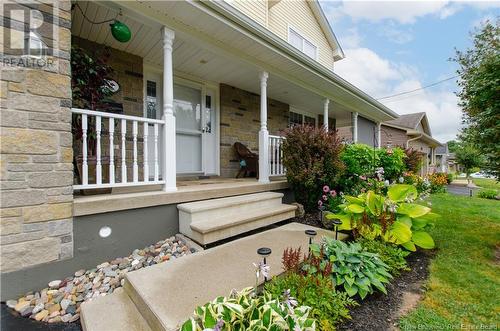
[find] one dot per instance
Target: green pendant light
(120, 31)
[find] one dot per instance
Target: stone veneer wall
(240, 122)
(36, 153)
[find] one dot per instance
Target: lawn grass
(464, 285)
(487, 183)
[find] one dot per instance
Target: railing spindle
(85, 167)
(124, 163)
(111, 151)
(157, 167)
(135, 167)
(145, 152)
(98, 166)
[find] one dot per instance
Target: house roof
(443, 149)
(327, 29)
(410, 121)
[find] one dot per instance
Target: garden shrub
(246, 311)
(311, 157)
(328, 307)
(488, 194)
(390, 254)
(392, 160)
(438, 182)
(356, 270)
(421, 184)
(450, 177)
(413, 160)
(360, 159)
(393, 218)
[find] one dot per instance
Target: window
(151, 100)
(301, 119)
(299, 42)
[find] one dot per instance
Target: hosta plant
(353, 269)
(246, 311)
(393, 217)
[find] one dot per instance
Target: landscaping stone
(61, 300)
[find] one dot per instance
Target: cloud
(395, 35)
(380, 77)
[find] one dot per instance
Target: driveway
(461, 189)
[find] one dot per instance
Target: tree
(452, 146)
(479, 95)
(468, 157)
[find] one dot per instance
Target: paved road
(460, 190)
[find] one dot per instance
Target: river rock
(55, 284)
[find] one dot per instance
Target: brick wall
(36, 148)
(393, 137)
(240, 121)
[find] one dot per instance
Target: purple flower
(326, 189)
(324, 197)
(261, 268)
(320, 203)
(333, 193)
(289, 301)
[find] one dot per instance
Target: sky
(397, 46)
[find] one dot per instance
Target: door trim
(192, 81)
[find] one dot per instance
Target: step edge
(274, 211)
(231, 201)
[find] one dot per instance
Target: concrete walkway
(166, 294)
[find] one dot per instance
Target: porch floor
(187, 190)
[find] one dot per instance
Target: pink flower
(362, 177)
(363, 190)
(333, 193)
(326, 189)
(320, 203)
(389, 151)
(324, 197)
(369, 184)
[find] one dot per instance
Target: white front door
(196, 128)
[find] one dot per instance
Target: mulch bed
(379, 311)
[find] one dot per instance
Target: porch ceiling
(209, 61)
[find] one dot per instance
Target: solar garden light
(336, 222)
(311, 234)
(264, 252)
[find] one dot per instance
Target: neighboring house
(412, 131)
(196, 77)
(442, 158)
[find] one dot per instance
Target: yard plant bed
(380, 311)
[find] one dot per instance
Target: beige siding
(255, 9)
(299, 16)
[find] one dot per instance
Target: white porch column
(355, 126)
(169, 154)
(379, 135)
(325, 114)
(263, 133)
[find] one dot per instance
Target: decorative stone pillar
(354, 127)
(379, 134)
(263, 133)
(325, 114)
(169, 152)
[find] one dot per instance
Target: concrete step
(211, 220)
(211, 231)
(114, 312)
(212, 208)
(166, 294)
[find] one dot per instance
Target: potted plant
(90, 83)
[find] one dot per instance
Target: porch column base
(263, 156)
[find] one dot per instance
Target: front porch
(178, 115)
(187, 190)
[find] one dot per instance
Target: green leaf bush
(328, 306)
(353, 269)
(311, 157)
(393, 218)
(390, 254)
(245, 311)
(488, 194)
(392, 161)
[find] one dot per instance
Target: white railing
(276, 167)
(97, 164)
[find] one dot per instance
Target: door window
(151, 99)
